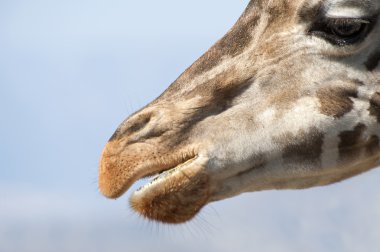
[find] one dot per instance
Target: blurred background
(70, 72)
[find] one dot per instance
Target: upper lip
(118, 172)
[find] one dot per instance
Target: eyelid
(363, 21)
(356, 20)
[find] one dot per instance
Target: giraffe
(289, 98)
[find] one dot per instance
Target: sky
(70, 72)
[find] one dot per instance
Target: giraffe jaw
(176, 195)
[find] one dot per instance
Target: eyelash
(328, 29)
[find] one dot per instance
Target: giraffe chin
(175, 197)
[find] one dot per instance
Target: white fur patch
(351, 9)
(345, 12)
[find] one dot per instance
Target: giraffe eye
(346, 29)
(342, 31)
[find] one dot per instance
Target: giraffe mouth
(158, 178)
(178, 188)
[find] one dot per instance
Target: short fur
(271, 105)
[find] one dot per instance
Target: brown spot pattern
(373, 147)
(232, 44)
(305, 147)
(336, 101)
(374, 106)
(351, 142)
(373, 61)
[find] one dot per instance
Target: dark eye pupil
(346, 30)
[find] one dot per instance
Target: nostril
(136, 126)
(139, 124)
(132, 125)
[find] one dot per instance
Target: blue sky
(70, 72)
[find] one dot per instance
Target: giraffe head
(289, 98)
